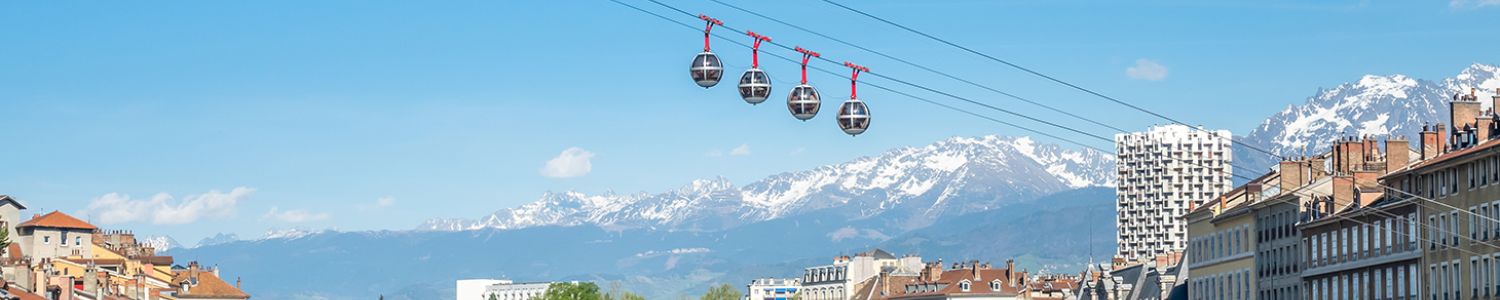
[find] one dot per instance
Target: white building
(772, 289)
(516, 291)
(1162, 172)
(473, 289)
(837, 280)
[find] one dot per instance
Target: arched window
(963, 285)
(995, 285)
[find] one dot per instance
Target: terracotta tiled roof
(209, 286)
(56, 219)
(22, 294)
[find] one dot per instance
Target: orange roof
(57, 219)
(209, 286)
(22, 294)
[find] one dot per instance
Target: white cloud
(742, 150)
(1146, 69)
(294, 216)
(572, 162)
(164, 209)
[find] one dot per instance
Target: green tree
(573, 291)
(722, 292)
(796, 296)
(4, 237)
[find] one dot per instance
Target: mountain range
(1376, 105)
(987, 198)
(914, 185)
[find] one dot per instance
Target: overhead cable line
(1049, 77)
(1072, 141)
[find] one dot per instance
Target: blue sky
(194, 118)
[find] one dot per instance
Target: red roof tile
(57, 219)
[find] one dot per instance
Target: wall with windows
(1462, 233)
(57, 242)
(1221, 254)
(1365, 253)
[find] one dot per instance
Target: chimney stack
(1463, 110)
(1343, 191)
(1397, 153)
(1495, 100)
(1010, 269)
(1482, 127)
(1442, 131)
(1428, 143)
(1291, 176)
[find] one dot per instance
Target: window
(963, 285)
(995, 285)
(46, 240)
(77, 241)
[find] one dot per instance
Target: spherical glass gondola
(755, 86)
(706, 69)
(854, 117)
(803, 102)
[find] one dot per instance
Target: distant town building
(516, 291)
(1157, 279)
(57, 256)
(1161, 173)
(473, 289)
(836, 281)
(772, 289)
(972, 280)
(56, 235)
(483, 289)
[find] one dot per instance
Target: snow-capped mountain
(219, 238)
(162, 243)
(954, 176)
(1374, 105)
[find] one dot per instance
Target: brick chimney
(1341, 153)
(193, 271)
(1463, 110)
(1397, 153)
(1010, 269)
(1357, 156)
(1482, 127)
(1495, 100)
(974, 269)
(1428, 143)
(1291, 175)
(1343, 191)
(933, 271)
(1442, 135)
(1317, 168)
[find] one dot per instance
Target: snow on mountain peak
(1373, 105)
(1014, 166)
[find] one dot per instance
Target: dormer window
(995, 285)
(963, 286)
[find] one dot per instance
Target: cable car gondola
(755, 85)
(804, 100)
(854, 115)
(706, 68)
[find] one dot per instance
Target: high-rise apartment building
(1162, 173)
